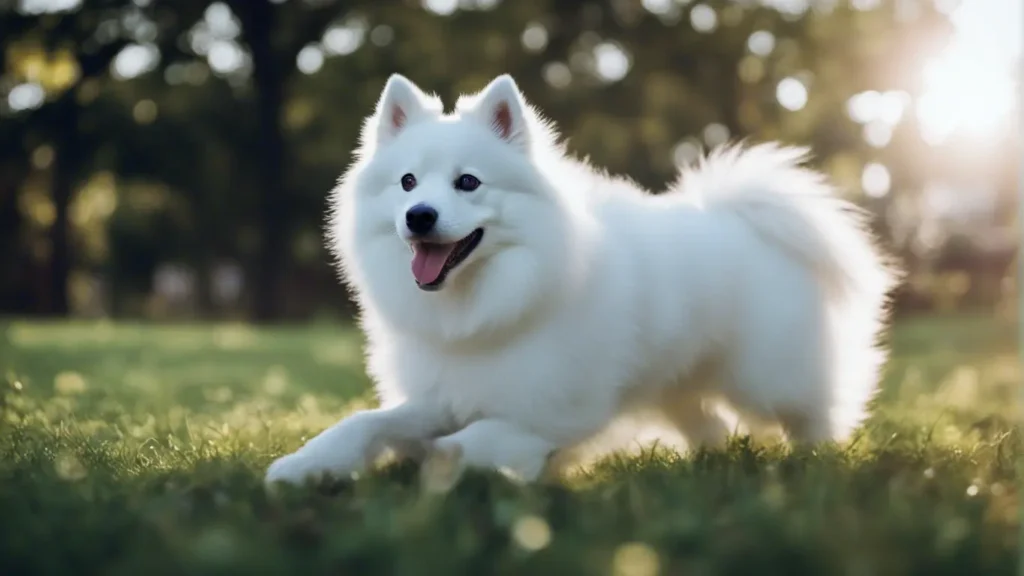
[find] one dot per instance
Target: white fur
(589, 300)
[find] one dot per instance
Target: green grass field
(139, 450)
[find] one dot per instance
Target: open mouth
(431, 261)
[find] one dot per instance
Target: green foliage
(212, 163)
(135, 449)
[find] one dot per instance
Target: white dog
(517, 302)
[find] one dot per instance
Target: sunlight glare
(970, 86)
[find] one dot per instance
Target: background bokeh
(171, 159)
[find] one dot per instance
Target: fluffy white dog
(517, 302)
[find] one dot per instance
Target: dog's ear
(400, 104)
(502, 107)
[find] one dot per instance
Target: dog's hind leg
(781, 366)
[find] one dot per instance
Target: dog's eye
(408, 182)
(467, 183)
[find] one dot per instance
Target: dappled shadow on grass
(907, 507)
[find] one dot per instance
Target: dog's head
(445, 204)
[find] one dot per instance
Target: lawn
(139, 450)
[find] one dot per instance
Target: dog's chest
(477, 389)
(506, 384)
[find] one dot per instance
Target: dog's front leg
(488, 444)
(353, 443)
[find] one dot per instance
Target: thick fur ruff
(588, 301)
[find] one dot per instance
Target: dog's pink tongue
(428, 261)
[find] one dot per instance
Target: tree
(65, 39)
(275, 33)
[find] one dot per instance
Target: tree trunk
(273, 212)
(65, 172)
(14, 269)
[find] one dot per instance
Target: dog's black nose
(421, 219)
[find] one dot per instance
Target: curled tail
(795, 208)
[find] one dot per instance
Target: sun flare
(969, 88)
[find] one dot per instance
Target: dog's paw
(303, 467)
(294, 469)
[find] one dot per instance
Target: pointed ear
(501, 106)
(400, 104)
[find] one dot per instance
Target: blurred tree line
(172, 158)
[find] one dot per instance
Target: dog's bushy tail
(794, 207)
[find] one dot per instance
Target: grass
(133, 449)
